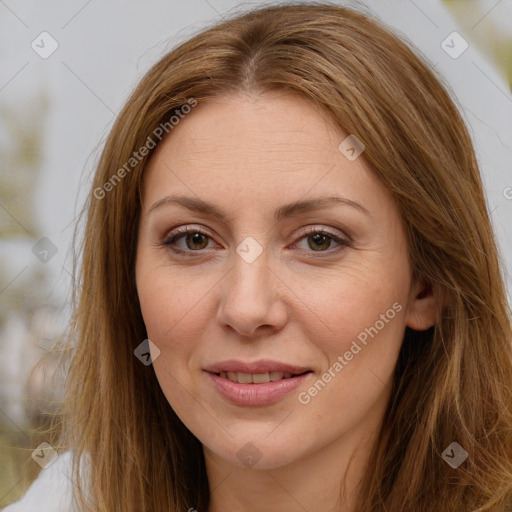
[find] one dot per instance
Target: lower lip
(256, 394)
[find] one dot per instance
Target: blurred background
(66, 68)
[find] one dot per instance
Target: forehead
(244, 125)
(241, 149)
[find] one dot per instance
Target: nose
(252, 303)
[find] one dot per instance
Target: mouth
(259, 383)
(258, 378)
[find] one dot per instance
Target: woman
(289, 296)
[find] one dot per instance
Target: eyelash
(180, 232)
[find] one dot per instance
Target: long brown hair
(453, 383)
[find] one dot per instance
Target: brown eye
(319, 241)
(194, 240)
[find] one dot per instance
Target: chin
(259, 453)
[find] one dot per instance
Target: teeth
(244, 378)
(256, 378)
(260, 378)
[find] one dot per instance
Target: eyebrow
(285, 211)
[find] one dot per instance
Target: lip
(261, 366)
(256, 394)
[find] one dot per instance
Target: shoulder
(52, 491)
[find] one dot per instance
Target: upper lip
(261, 366)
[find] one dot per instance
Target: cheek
(359, 367)
(175, 311)
(171, 302)
(366, 346)
(173, 317)
(360, 304)
(175, 323)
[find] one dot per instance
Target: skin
(302, 301)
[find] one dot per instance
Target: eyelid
(189, 228)
(342, 239)
(319, 229)
(179, 232)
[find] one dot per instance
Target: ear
(423, 307)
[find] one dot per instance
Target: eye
(320, 240)
(194, 240)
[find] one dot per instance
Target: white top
(52, 491)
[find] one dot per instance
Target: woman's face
(294, 277)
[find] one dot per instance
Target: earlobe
(423, 308)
